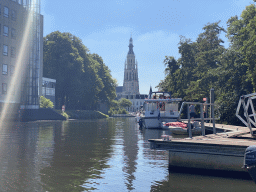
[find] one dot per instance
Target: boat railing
(202, 118)
(163, 100)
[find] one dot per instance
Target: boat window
(171, 106)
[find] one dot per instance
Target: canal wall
(39, 114)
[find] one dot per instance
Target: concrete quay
(221, 151)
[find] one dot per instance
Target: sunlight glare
(19, 67)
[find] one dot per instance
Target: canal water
(95, 155)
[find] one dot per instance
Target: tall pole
(189, 124)
(212, 109)
(202, 119)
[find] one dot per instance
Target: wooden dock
(220, 151)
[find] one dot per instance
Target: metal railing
(202, 118)
(246, 107)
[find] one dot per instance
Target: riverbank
(83, 114)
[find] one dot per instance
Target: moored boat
(158, 108)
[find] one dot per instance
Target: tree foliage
(124, 103)
(118, 107)
(206, 64)
(82, 78)
(45, 103)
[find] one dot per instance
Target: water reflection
(101, 155)
(132, 164)
(22, 156)
(130, 152)
(177, 182)
(79, 154)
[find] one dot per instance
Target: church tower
(131, 80)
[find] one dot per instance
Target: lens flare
(20, 66)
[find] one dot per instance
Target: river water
(95, 155)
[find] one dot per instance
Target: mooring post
(202, 119)
(206, 109)
(189, 125)
(212, 109)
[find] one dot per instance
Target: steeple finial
(130, 46)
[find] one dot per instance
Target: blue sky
(105, 27)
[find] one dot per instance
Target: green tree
(208, 52)
(108, 92)
(206, 63)
(231, 84)
(82, 78)
(241, 34)
(62, 62)
(123, 103)
(180, 72)
(45, 103)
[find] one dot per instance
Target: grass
(82, 114)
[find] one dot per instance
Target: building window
(5, 72)
(13, 33)
(5, 50)
(4, 88)
(6, 12)
(13, 52)
(14, 15)
(6, 30)
(11, 69)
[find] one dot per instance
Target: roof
(49, 79)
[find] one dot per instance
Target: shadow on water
(215, 173)
(181, 182)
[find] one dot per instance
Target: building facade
(48, 89)
(21, 57)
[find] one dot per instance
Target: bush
(45, 103)
(122, 111)
(65, 115)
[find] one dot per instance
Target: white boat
(179, 128)
(158, 108)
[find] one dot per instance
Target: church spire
(131, 80)
(130, 46)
